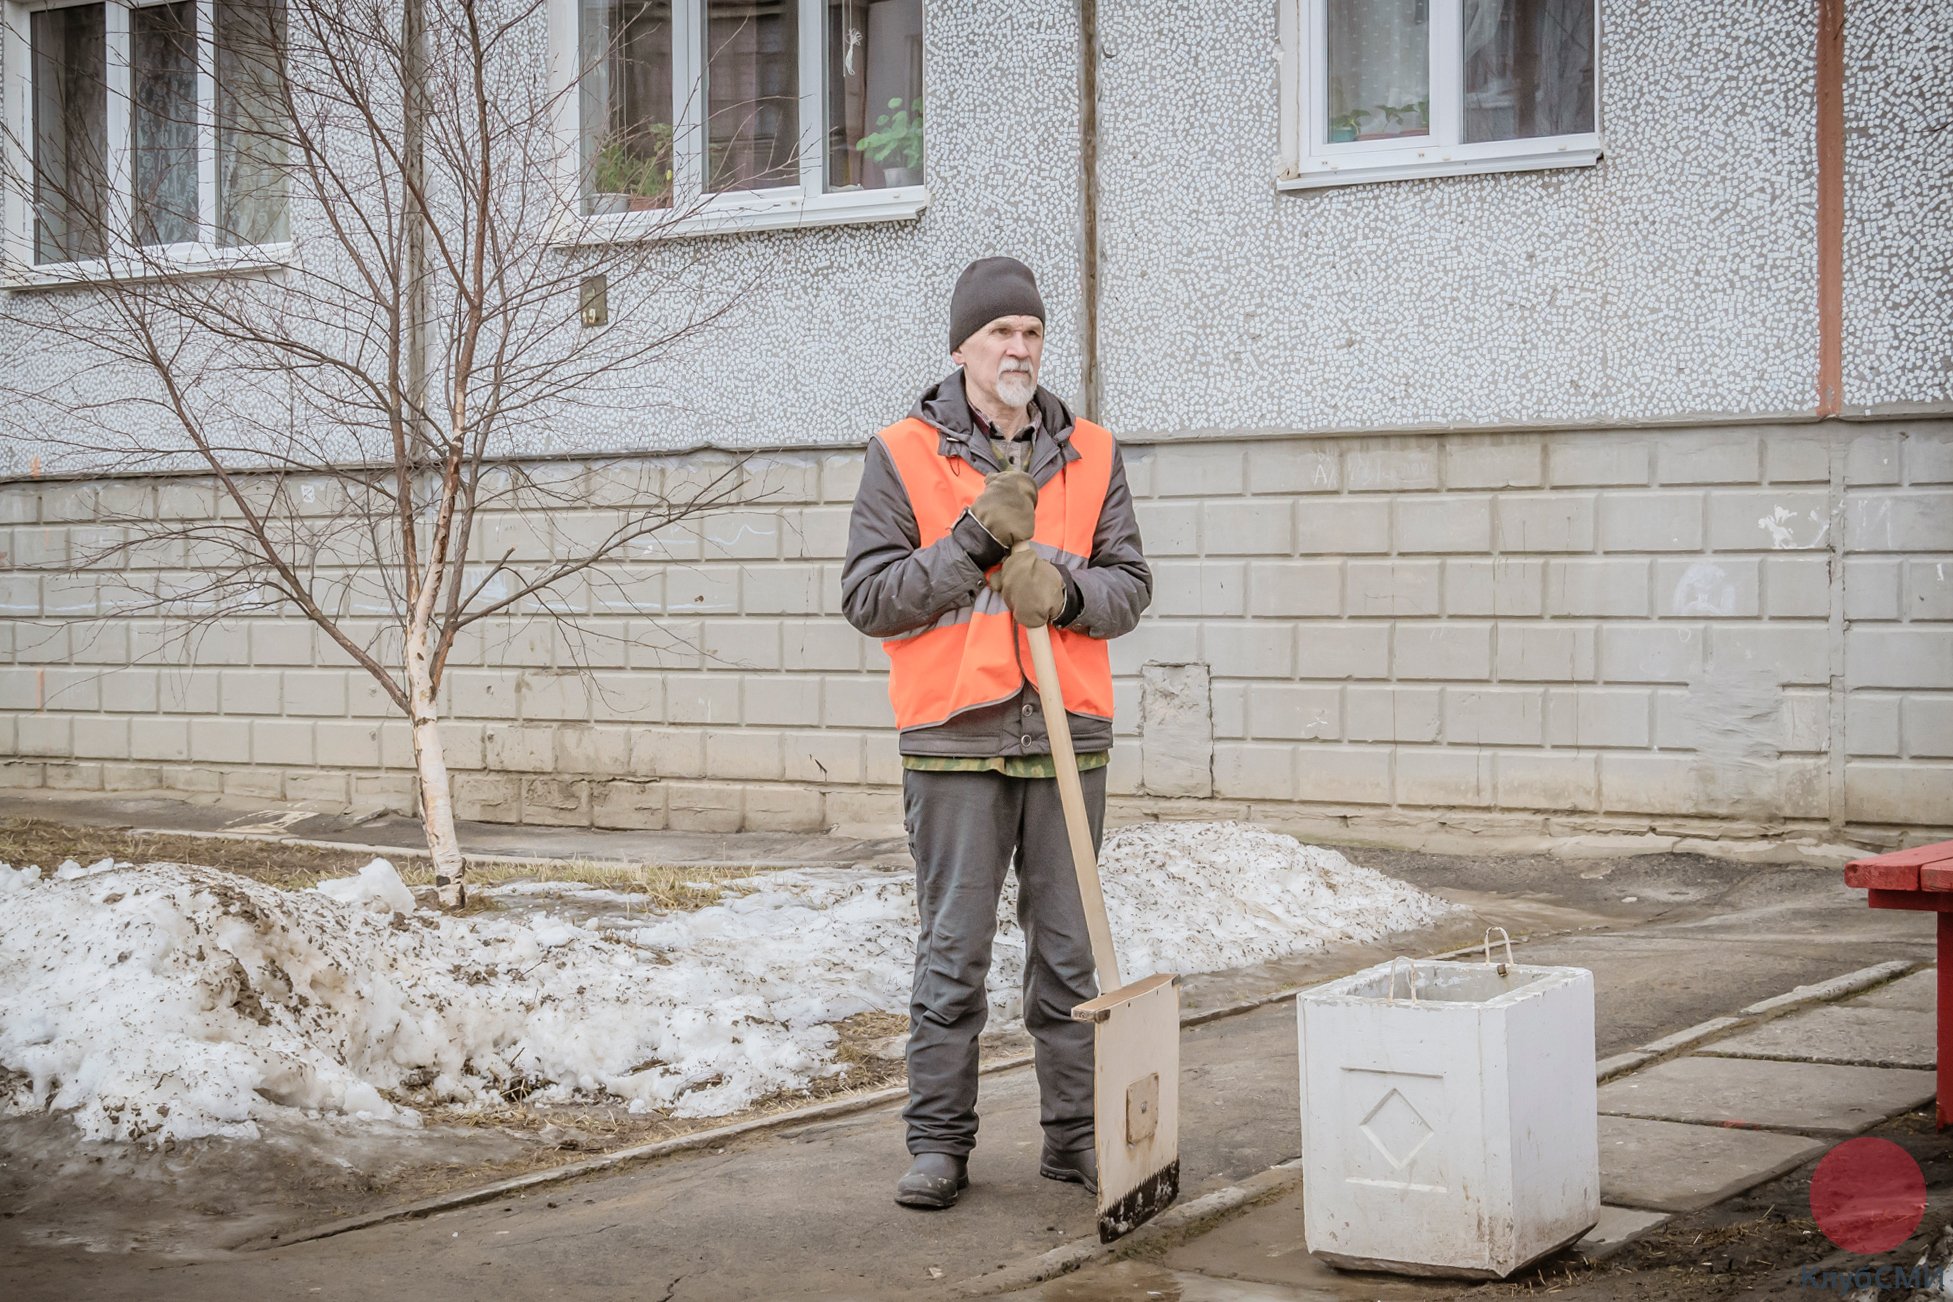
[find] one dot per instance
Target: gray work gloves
(1007, 508)
(1031, 586)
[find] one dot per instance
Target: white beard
(1016, 388)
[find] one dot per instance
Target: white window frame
(1309, 161)
(18, 270)
(764, 209)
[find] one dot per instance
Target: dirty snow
(169, 1002)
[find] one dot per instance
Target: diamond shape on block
(1397, 1129)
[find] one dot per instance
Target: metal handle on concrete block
(1507, 937)
(1401, 958)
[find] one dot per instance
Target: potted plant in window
(895, 145)
(1344, 126)
(1406, 119)
(632, 174)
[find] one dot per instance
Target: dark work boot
(1073, 1166)
(933, 1181)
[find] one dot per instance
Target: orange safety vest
(976, 654)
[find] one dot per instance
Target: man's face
(1001, 360)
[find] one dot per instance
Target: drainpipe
(1830, 367)
(1090, 395)
(1830, 206)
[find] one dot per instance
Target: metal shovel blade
(1136, 1101)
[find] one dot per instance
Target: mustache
(1013, 368)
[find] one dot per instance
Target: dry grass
(295, 867)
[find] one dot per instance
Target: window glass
(1529, 68)
(251, 156)
(1379, 69)
(69, 56)
(874, 93)
(752, 79)
(163, 121)
(625, 89)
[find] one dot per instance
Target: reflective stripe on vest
(975, 654)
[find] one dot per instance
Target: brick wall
(1718, 629)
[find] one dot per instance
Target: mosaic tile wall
(1674, 277)
(1898, 308)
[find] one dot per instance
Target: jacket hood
(945, 407)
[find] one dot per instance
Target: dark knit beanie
(987, 289)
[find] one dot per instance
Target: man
(986, 461)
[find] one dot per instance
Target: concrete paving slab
(1918, 991)
(1616, 1229)
(1671, 1167)
(1840, 1033)
(1807, 1096)
(1266, 1246)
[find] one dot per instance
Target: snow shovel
(1136, 1079)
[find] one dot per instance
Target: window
(1379, 90)
(150, 129)
(700, 115)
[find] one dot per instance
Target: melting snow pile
(164, 1001)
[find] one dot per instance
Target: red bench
(1920, 879)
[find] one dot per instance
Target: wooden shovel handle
(1071, 794)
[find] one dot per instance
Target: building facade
(1565, 450)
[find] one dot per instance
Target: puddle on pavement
(1126, 1281)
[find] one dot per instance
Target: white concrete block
(1445, 777)
(1546, 652)
(1544, 522)
(1609, 587)
(1716, 457)
(1598, 459)
(1494, 716)
(1293, 588)
(1501, 461)
(1389, 712)
(1393, 587)
(1288, 468)
(1499, 586)
(1337, 526)
(1457, 652)
(1914, 657)
(1421, 523)
(1456, 1132)
(1256, 526)
(1326, 773)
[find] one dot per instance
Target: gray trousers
(964, 829)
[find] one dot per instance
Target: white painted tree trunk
(430, 763)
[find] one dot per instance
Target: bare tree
(355, 295)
